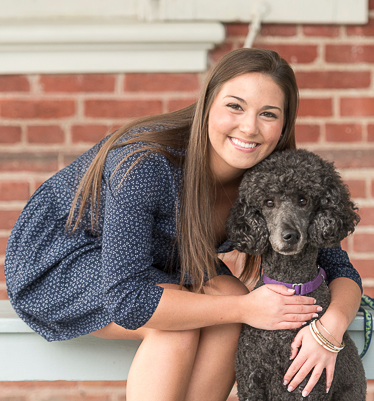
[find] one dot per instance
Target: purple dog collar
(301, 289)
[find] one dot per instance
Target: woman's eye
(269, 203)
(303, 202)
(235, 106)
(269, 115)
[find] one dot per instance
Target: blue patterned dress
(67, 285)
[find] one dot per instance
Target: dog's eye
(303, 202)
(269, 203)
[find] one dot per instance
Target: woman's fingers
(280, 309)
(311, 358)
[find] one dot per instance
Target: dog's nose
(291, 236)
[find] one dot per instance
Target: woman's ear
(335, 218)
(246, 229)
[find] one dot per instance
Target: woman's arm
(345, 301)
(269, 307)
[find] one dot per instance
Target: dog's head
(291, 198)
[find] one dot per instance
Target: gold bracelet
(322, 340)
(340, 344)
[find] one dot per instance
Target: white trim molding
(104, 47)
(87, 36)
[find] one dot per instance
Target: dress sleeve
(130, 280)
(336, 263)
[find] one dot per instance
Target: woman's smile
(243, 145)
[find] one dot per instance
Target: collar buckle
(297, 288)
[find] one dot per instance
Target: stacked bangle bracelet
(322, 340)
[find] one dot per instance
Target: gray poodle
(289, 205)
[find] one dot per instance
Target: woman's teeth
(243, 144)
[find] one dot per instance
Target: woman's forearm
(345, 301)
(270, 307)
(183, 310)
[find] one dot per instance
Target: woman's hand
(275, 307)
(312, 356)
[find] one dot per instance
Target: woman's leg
(183, 365)
(213, 372)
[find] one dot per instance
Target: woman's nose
(248, 125)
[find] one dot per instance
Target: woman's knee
(225, 285)
(179, 341)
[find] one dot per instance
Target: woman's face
(245, 124)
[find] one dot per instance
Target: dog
(290, 205)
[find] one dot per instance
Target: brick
(350, 53)
(370, 292)
(161, 82)
(177, 104)
(307, 133)
(46, 134)
(37, 108)
(343, 132)
(357, 188)
(321, 30)
(8, 218)
(353, 158)
(333, 79)
(78, 83)
(69, 158)
(278, 30)
(294, 54)
(88, 133)
(372, 189)
(315, 107)
(357, 106)
(361, 30)
(364, 266)
(10, 134)
(14, 83)
(367, 216)
(371, 132)
(219, 51)
(12, 398)
(122, 108)
(37, 162)
(344, 244)
(371, 7)
(363, 243)
(3, 242)
(2, 273)
(237, 29)
(13, 190)
(3, 297)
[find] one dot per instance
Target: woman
(123, 242)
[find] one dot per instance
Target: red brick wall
(48, 120)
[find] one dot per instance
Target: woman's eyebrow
(237, 98)
(267, 107)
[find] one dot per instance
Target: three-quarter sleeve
(336, 263)
(131, 207)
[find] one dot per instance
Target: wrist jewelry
(322, 340)
(340, 344)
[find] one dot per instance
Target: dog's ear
(336, 216)
(246, 228)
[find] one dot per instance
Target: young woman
(123, 242)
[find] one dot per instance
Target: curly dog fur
(289, 205)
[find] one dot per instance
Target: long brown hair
(188, 129)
